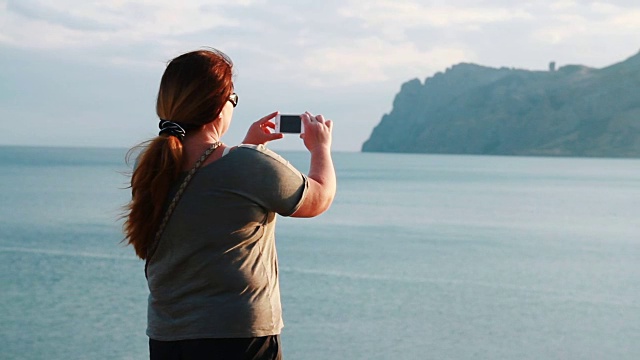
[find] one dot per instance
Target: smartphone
(290, 124)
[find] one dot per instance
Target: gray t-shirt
(215, 271)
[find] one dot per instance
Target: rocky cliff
(471, 109)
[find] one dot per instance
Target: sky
(86, 73)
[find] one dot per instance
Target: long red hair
(194, 88)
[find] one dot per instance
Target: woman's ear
(217, 119)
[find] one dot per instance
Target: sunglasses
(233, 98)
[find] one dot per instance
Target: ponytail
(194, 89)
(157, 168)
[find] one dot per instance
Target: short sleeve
(270, 180)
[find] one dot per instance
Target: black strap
(156, 241)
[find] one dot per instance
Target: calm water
(420, 257)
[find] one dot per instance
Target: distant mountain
(472, 109)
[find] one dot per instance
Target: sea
(420, 257)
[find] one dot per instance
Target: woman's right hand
(261, 131)
(317, 132)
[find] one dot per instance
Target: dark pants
(258, 348)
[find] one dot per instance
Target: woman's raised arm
(322, 175)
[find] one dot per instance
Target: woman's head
(194, 88)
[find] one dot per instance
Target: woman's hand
(261, 131)
(317, 132)
(322, 176)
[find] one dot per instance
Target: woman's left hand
(261, 131)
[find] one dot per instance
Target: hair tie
(171, 128)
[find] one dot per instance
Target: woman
(203, 216)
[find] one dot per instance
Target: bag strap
(156, 241)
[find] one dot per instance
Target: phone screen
(290, 124)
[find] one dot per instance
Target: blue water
(420, 257)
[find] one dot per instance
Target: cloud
(563, 5)
(332, 43)
(68, 23)
(410, 14)
(376, 47)
(34, 11)
(566, 24)
(373, 60)
(624, 22)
